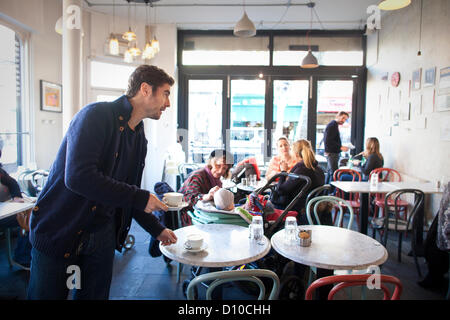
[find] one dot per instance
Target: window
(14, 126)
(108, 81)
(226, 50)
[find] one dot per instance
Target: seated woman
(203, 183)
(10, 190)
(288, 188)
(372, 156)
(284, 158)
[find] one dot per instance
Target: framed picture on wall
(416, 79)
(51, 96)
(444, 81)
(430, 75)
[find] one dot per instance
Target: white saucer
(181, 205)
(204, 246)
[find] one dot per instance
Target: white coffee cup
(194, 241)
(173, 199)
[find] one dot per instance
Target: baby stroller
(272, 223)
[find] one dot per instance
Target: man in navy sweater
(84, 211)
(333, 145)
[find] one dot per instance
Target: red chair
(350, 280)
(353, 198)
(387, 175)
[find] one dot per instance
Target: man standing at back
(85, 210)
(333, 145)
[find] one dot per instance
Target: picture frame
(429, 77)
(51, 96)
(416, 79)
(444, 81)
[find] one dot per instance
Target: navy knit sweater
(82, 183)
(332, 138)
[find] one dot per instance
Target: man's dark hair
(341, 113)
(151, 75)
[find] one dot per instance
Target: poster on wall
(445, 129)
(444, 81)
(428, 100)
(405, 111)
(443, 103)
(51, 99)
(430, 76)
(416, 79)
(416, 104)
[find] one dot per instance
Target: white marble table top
(8, 209)
(333, 248)
(425, 187)
(259, 184)
(363, 186)
(385, 187)
(227, 245)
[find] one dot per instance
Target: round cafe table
(226, 245)
(333, 248)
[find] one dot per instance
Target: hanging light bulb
(113, 45)
(309, 61)
(129, 35)
(244, 28)
(155, 45)
(134, 50)
(148, 52)
(128, 57)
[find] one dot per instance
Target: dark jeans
(49, 278)
(332, 166)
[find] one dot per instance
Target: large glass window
(333, 96)
(205, 118)
(225, 50)
(290, 110)
(14, 127)
(336, 51)
(247, 119)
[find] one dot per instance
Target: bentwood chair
(248, 275)
(351, 280)
(185, 170)
(386, 175)
(393, 221)
(353, 198)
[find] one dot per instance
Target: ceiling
(223, 14)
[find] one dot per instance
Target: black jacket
(287, 189)
(331, 138)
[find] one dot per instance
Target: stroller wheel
(185, 286)
(292, 288)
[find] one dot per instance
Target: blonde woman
(307, 165)
(373, 157)
(284, 161)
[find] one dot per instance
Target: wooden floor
(138, 276)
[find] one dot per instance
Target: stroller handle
(292, 203)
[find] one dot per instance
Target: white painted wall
(161, 134)
(39, 18)
(418, 153)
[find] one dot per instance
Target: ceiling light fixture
(393, 4)
(129, 35)
(113, 42)
(244, 28)
(148, 52)
(310, 61)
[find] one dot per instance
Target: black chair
(394, 221)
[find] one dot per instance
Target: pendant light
(129, 35)
(148, 52)
(134, 50)
(393, 4)
(244, 28)
(155, 42)
(309, 61)
(113, 42)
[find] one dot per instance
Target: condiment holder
(305, 237)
